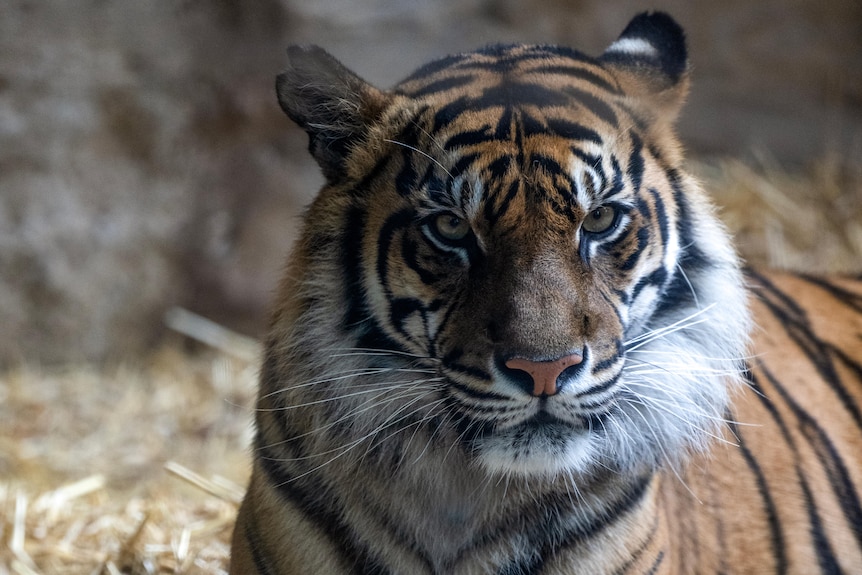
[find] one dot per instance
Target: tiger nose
(545, 374)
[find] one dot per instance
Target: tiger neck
(446, 513)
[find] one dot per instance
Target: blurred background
(145, 164)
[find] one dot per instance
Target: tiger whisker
(367, 405)
(376, 352)
(681, 324)
(671, 463)
(691, 289)
(345, 448)
(669, 403)
(418, 151)
(342, 397)
(348, 374)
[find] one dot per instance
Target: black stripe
(692, 257)
(829, 458)
(598, 389)
(581, 73)
(399, 308)
(410, 256)
(494, 209)
(542, 525)
(318, 506)
(504, 128)
(470, 138)
(499, 167)
(786, 301)
(351, 263)
(397, 221)
(635, 169)
(776, 532)
(597, 106)
(609, 362)
(463, 163)
(405, 181)
(572, 130)
(550, 165)
(656, 564)
(363, 186)
(469, 370)
(520, 94)
(618, 184)
(798, 328)
(661, 217)
(846, 297)
(677, 294)
(614, 511)
(449, 113)
(594, 162)
(261, 564)
(432, 68)
(443, 85)
(357, 317)
(658, 278)
(643, 238)
(825, 553)
(639, 552)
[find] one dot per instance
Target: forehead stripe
(492, 211)
(469, 138)
(443, 85)
(581, 73)
(434, 67)
(592, 103)
(635, 169)
(572, 130)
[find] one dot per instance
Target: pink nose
(544, 373)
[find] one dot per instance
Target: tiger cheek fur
(508, 337)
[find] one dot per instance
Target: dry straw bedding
(139, 467)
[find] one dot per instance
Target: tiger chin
(513, 338)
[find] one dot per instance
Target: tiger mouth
(541, 425)
(543, 418)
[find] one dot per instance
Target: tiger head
(507, 257)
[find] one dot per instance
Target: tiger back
(513, 338)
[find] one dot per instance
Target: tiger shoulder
(514, 338)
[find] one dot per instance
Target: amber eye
(450, 227)
(600, 220)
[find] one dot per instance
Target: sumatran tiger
(513, 338)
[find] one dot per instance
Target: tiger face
(508, 249)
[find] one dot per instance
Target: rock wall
(144, 162)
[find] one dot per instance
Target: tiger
(514, 337)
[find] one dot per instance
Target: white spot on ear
(633, 46)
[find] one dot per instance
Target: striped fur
(528, 203)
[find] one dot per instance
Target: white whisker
(418, 151)
(681, 324)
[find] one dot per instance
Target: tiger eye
(600, 220)
(451, 227)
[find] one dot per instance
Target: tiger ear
(650, 60)
(331, 103)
